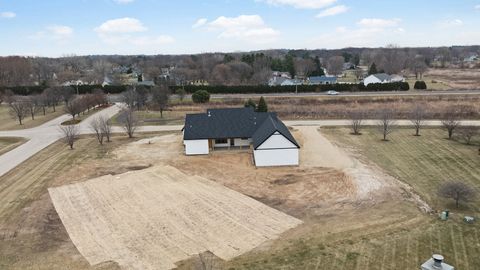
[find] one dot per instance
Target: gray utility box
(436, 263)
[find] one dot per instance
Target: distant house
(281, 74)
(264, 134)
(317, 80)
(471, 58)
(282, 81)
(199, 83)
(146, 83)
(347, 66)
(382, 78)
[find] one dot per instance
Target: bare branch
(71, 134)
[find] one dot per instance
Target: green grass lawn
(9, 123)
(422, 162)
(153, 118)
(392, 235)
(9, 143)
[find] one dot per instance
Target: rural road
(42, 136)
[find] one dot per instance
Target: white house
(382, 78)
(241, 128)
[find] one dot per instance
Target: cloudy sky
(60, 27)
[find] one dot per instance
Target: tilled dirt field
(153, 218)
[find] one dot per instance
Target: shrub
(250, 103)
(201, 96)
(420, 85)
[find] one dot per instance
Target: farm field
(432, 84)
(8, 123)
(456, 78)
(7, 144)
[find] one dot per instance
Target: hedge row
(265, 89)
(241, 89)
(82, 89)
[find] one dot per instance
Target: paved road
(355, 94)
(42, 136)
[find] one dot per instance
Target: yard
(9, 123)
(390, 235)
(8, 143)
(385, 230)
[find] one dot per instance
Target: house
(281, 74)
(382, 78)
(199, 83)
(316, 80)
(241, 128)
(471, 58)
(281, 81)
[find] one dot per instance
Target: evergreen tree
(318, 68)
(262, 105)
(373, 69)
(250, 103)
(290, 65)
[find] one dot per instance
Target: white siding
(278, 157)
(371, 79)
(196, 147)
(276, 141)
(276, 151)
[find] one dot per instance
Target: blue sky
(60, 27)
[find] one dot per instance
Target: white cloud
(477, 7)
(7, 15)
(122, 25)
(149, 41)
(378, 23)
(451, 23)
(126, 30)
(333, 11)
(248, 28)
(123, 1)
(301, 4)
(55, 32)
(199, 23)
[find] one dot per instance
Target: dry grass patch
(9, 143)
(9, 123)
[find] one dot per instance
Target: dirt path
(153, 218)
(318, 151)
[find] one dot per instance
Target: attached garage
(196, 147)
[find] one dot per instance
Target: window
(221, 141)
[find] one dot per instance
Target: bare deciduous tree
(468, 132)
(457, 191)
(130, 122)
(335, 65)
(160, 97)
(356, 120)
(130, 97)
(417, 117)
(96, 127)
(450, 120)
(386, 122)
(105, 127)
(19, 109)
(33, 106)
(74, 107)
(70, 134)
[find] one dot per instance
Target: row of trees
(21, 107)
(386, 122)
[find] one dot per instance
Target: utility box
(436, 263)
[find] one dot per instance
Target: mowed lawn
(423, 162)
(393, 235)
(7, 122)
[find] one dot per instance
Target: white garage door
(276, 157)
(196, 147)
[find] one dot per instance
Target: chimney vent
(209, 114)
(437, 261)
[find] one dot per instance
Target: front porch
(229, 144)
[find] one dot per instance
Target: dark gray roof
(382, 76)
(234, 123)
(271, 125)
